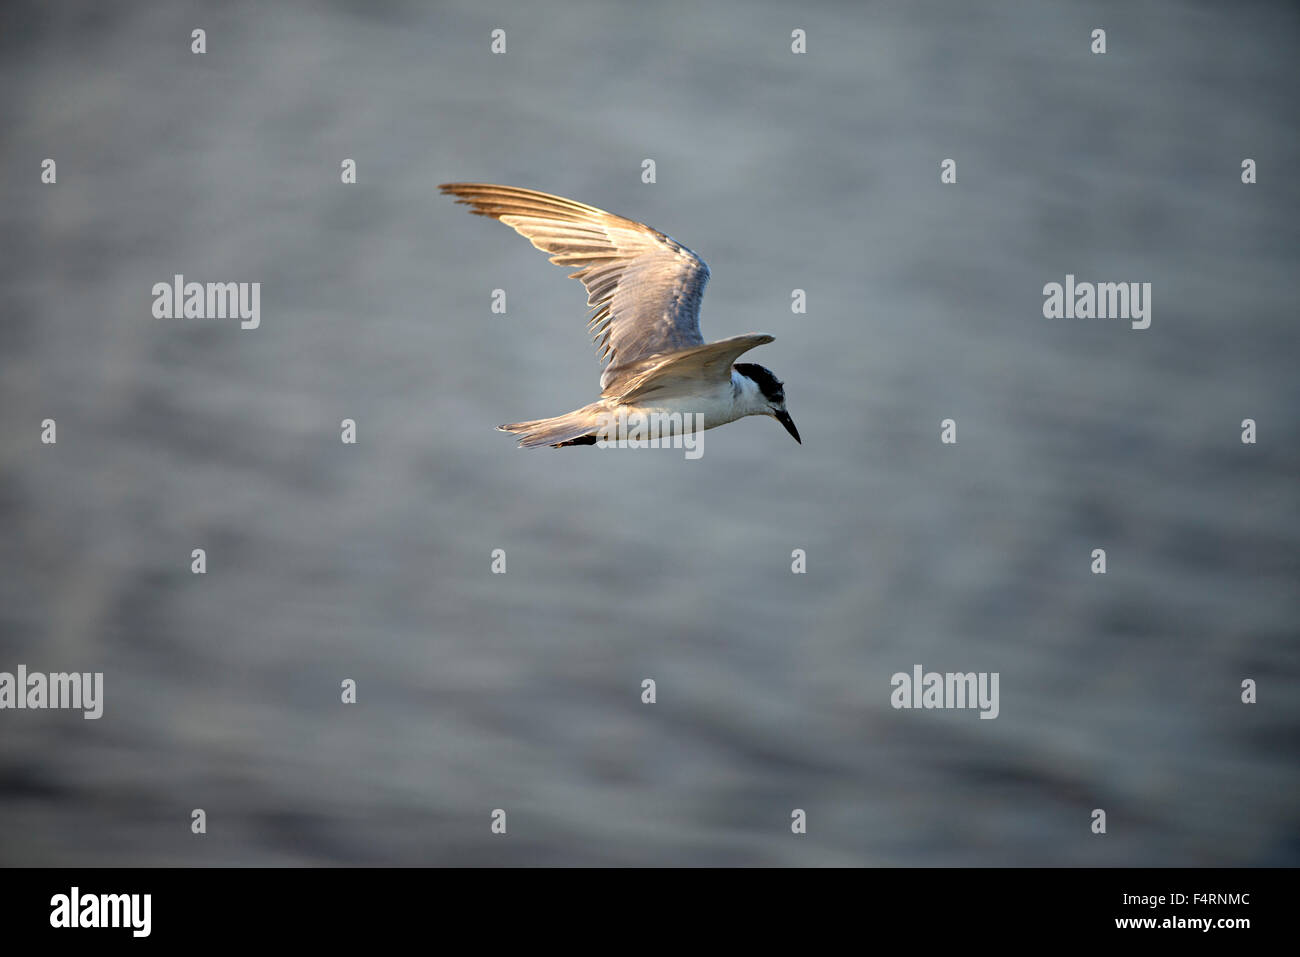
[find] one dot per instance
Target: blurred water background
(480, 691)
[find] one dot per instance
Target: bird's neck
(746, 395)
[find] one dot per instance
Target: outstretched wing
(688, 371)
(645, 286)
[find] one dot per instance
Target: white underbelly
(712, 409)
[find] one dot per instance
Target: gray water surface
(523, 691)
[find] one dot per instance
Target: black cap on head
(773, 389)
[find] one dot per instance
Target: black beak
(784, 418)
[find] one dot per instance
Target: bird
(644, 288)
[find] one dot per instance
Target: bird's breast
(717, 406)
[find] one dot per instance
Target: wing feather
(644, 285)
(684, 372)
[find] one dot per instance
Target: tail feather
(573, 428)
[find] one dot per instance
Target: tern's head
(769, 397)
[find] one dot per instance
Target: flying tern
(645, 290)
